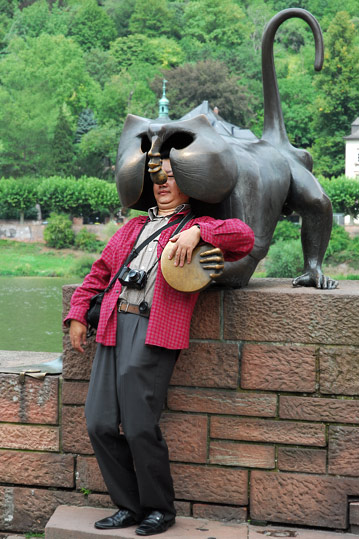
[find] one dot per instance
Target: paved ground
(224, 531)
(69, 522)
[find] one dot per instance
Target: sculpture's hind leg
(309, 200)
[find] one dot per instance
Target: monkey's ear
(131, 161)
(206, 169)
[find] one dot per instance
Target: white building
(352, 151)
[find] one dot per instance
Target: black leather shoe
(155, 523)
(122, 519)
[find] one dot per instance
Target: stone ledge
(70, 522)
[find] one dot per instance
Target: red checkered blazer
(171, 310)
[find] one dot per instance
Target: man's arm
(94, 282)
(232, 236)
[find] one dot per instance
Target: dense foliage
(71, 70)
(59, 233)
(81, 197)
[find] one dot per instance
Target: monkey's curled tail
(274, 129)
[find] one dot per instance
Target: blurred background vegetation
(71, 70)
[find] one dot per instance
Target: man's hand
(184, 243)
(78, 335)
(213, 259)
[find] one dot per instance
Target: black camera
(132, 278)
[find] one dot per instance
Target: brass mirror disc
(191, 277)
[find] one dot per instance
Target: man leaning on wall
(144, 323)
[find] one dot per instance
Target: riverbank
(21, 259)
(36, 260)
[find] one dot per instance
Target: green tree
(337, 102)
(343, 193)
(18, 195)
(38, 19)
(85, 123)
(62, 146)
(101, 65)
(91, 27)
(102, 196)
(221, 23)
(138, 48)
(120, 12)
(190, 84)
(62, 195)
(38, 76)
(151, 18)
(97, 151)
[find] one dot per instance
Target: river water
(31, 313)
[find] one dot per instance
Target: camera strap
(135, 251)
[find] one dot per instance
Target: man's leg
(103, 419)
(143, 376)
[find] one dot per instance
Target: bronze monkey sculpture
(228, 172)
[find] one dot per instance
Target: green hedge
(76, 197)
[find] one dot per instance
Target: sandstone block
(100, 500)
(237, 454)
(301, 499)
(221, 401)
(39, 438)
(74, 392)
(74, 432)
(41, 469)
(186, 436)
(264, 312)
(67, 291)
(77, 366)
(314, 409)
(225, 513)
(29, 509)
(88, 475)
(354, 513)
(278, 367)
(210, 484)
(302, 460)
(339, 370)
(183, 509)
(343, 451)
(205, 322)
(208, 365)
(260, 430)
(36, 401)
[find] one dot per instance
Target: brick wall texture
(262, 417)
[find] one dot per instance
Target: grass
(36, 260)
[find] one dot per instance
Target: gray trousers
(128, 387)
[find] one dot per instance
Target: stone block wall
(262, 416)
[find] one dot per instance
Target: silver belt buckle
(122, 302)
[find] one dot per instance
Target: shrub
(286, 230)
(285, 259)
(87, 241)
(59, 233)
(83, 265)
(339, 241)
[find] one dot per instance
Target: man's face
(168, 196)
